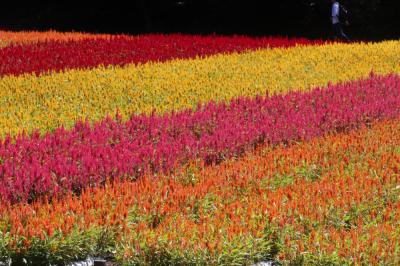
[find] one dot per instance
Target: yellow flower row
(29, 102)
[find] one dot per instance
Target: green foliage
(321, 260)
(58, 249)
(242, 250)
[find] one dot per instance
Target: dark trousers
(339, 33)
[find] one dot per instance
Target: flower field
(198, 150)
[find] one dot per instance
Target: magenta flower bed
(85, 156)
(120, 50)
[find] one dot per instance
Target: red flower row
(120, 50)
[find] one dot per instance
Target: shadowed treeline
(372, 19)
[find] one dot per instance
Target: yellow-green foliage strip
(46, 102)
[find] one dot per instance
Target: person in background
(337, 27)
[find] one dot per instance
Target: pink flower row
(120, 50)
(87, 155)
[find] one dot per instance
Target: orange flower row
(333, 199)
(19, 37)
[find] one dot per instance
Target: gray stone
(264, 263)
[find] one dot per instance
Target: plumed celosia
(326, 201)
(54, 55)
(60, 99)
(87, 155)
(25, 37)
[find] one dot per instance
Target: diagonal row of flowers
(122, 49)
(87, 155)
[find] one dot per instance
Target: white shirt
(335, 13)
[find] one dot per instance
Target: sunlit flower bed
(330, 200)
(75, 51)
(60, 99)
(191, 150)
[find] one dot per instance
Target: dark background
(370, 19)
